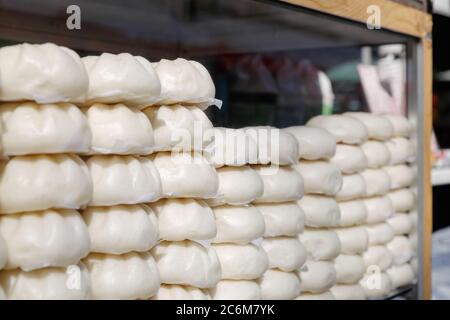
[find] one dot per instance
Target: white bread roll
(320, 177)
(238, 224)
(378, 256)
(184, 219)
(115, 78)
(378, 127)
(379, 209)
(187, 263)
(378, 182)
(186, 175)
(275, 146)
(344, 128)
(236, 290)
(401, 249)
(282, 219)
(353, 212)
(39, 182)
(401, 150)
(350, 159)
(320, 244)
(377, 154)
(402, 126)
(348, 292)
(129, 276)
(3, 252)
(119, 129)
(403, 200)
(327, 295)
(30, 128)
(184, 81)
(121, 229)
(380, 233)
(354, 240)
(313, 143)
(279, 285)
(317, 276)
(51, 238)
(178, 127)
(320, 211)
(230, 147)
(401, 222)
(52, 73)
(350, 268)
(284, 253)
(281, 184)
(401, 275)
(237, 186)
(71, 283)
(241, 262)
(353, 187)
(177, 292)
(123, 180)
(376, 285)
(401, 176)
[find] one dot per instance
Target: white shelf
(440, 177)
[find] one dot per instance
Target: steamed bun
(345, 129)
(313, 143)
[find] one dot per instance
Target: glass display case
(273, 63)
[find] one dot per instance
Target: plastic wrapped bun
(313, 143)
(401, 275)
(187, 263)
(401, 125)
(238, 224)
(282, 219)
(401, 249)
(377, 154)
(401, 222)
(279, 285)
(186, 175)
(320, 211)
(401, 150)
(30, 128)
(284, 253)
(118, 129)
(241, 262)
(317, 276)
(378, 209)
(115, 78)
(236, 290)
(177, 292)
(121, 229)
(184, 81)
(376, 285)
(344, 128)
(353, 212)
(349, 159)
(281, 184)
(354, 240)
(51, 238)
(378, 256)
(378, 127)
(403, 200)
(353, 187)
(320, 244)
(350, 268)
(377, 181)
(327, 295)
(320, 177)
(179, 128)
(123, 180)
(39, 182)
(230, 147)
(71, 283)
(44, 73)
(129, 276)
(380, 233)
(348, 292)
(184, 219)
(237, 186)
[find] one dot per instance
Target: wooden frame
(412, 22)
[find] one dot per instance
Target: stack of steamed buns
(115, 185)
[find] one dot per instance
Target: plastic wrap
(282, 219)
(344, 128)
(284, 253)
(320, 244)
(378, 127)
(320, 177)
(353, 212)
(320, 211)
(353, 187)
(314, 143)
(350, 159)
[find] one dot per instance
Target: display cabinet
(264, 57)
